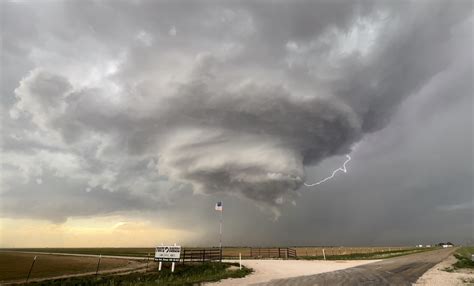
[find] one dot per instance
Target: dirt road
(437, 276)
(268, 270)
(403, 270)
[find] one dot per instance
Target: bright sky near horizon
(107, 231)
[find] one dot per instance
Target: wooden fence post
(98, 264)
(31, 268)
(147, 259)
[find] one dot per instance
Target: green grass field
(463, 255)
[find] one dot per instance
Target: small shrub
(463, 262)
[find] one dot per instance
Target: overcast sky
(124, 122)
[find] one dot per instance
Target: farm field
(112, 251)
(331, 252)
(15, 266)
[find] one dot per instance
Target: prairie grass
(187, 274)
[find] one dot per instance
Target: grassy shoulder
(366, 256)
(187, 274)
(463, 255)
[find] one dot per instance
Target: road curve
(402, 270)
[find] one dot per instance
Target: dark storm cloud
(136, 98)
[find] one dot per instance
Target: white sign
(168, 253)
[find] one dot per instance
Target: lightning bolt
(342, 169)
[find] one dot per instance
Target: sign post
(172, 263)
(167, 253)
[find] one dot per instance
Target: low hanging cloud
(244, 116)
(252, 139)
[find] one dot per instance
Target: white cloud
(145, 38)
(172, 31)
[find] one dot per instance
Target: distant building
(445, 244)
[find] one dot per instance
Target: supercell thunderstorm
(208, 117)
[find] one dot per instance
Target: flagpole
(220, 230)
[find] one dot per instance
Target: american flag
(219, 206)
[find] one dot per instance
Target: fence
(260, 252)
(201, 254)
(275, 252)
(340, 250)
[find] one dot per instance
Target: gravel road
(266, 270)
(403, 270)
